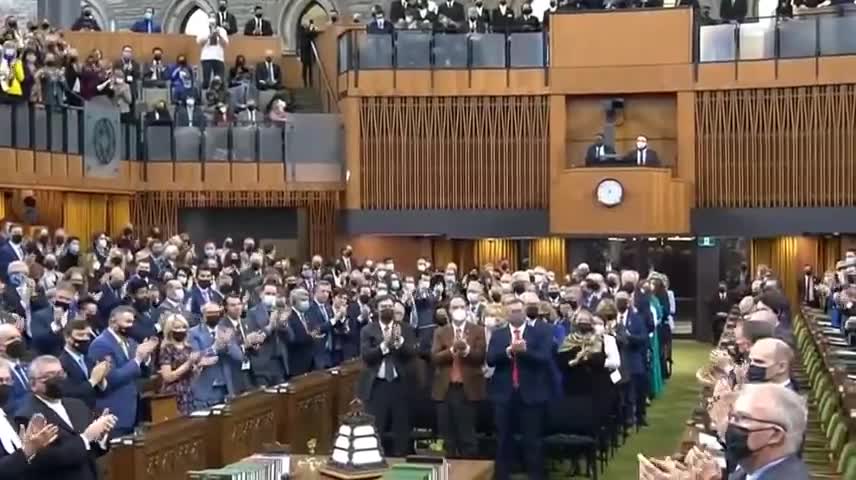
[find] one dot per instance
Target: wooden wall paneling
(26, 165)
(42, 165)
(59, 167)
(453, 152)
(350, 108)
(495, 250)
(782, 147)
(442, 252)
(549, 253)
(685, 135)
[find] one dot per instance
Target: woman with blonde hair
(177, 363)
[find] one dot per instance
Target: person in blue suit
(308, 336)
(12, 350)
(128, 359)
(520, 388)
(48, 323)
(320, 316)
(203, 292)
(147, 24)
(83, 379)
(11, 251)
(111, 296)
(634, 360)
(213, 341)
(268, 335)
(358, 314)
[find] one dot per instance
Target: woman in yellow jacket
(11, 75)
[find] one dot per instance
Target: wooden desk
(165, 452)
(459, 469)
(246, 424)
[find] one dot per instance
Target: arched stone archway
(99, 11)
(290, 16)
(177, 12)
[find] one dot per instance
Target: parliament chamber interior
(427, 240)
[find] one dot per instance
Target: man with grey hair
(308, 337)
(765, 432)
(82, 436)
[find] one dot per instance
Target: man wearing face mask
(344, 263)
(268, 334)
(551, 10)
(212, 339)
(502, 18)
(379, 25)
(225, 19)
(86, 22)
(457, 354)
(520, 387)
(83, 379)
(71, 257)
(770, 362)
(173, 302)
(527, 21)
(129, 361)
(258, 26)
(387, 348)
(631, 335)
(765, 432)
(138, 296)
(147, 24)
(249, 248)
(251, 278)
(642, 156)
(720, 304)
(358, 315)
(475, 303)
(48, 323)
(188, 115)
(19, 295)
(268, 73)
(212, 56)
(306, 348)
(12, 251)
(13, 350)
(203, 291)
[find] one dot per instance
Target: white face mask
(490, 322)
(178, 296)
(598, 329)
(459, 315)
(539, 278)
(473, 297)
(641, 145)
(269, 300)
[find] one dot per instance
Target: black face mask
(212, 321)
(82, 346)
(737, 444)
(496, 297)
(142, 305)
(387, 315)
(628, 288)
(179, 336)
(259, 15)
(721, 289)
(17, 238)
(585, 328)
(53, 388)
(50, 265)
(203, 284)
(756, 374)
(573, 304)
(222, 8)
(518, 288)
(61, 305)
(15, 349)
(532, 312)
(364, 299)
(621, 305)
(5, 393)
(553, 295)
(123, 331)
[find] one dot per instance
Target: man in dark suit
(13, 350)
(642, 156)
(225, 19)
(320, 316)
(528, 22)
(733, 10)
(357, 315)
(267, 336)
(453, 10)
(379, 24)
(203, 292)
(130, 68)
(188, 115)
(720, 304)
(11, 251)
(475, 24)
(237, 370)
(519, 389)
(397, 9)
(387, 348)
(129, 363)
(765, 434)
(83, 379)
(19, 296)
(502, 18)
(343, 263)
(111, 296)
(19, 446)
(268, 74)
(306, 348)
(81, 436)
(597, 152)
(458, 353)
(258, 26)
(806, 288)
(173, 302)
(48, 323)
(634, 360)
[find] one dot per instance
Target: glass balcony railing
(310, 146)
(809, 34)
(417, 50)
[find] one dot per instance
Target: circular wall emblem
(104, 141)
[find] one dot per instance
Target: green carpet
(667, 415)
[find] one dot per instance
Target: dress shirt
(759, 472)
(19, 251)
(641, 156)
(258, 29)
(24, 294)
(613, 357)
(122, 343)
(622, 318)
(78, 358)
(20, 373)
(809, 288)
(8, 436)
(59, 409)
(271, 76)
(460, 332)
(381, 371)
(516, 332)
(487, 370)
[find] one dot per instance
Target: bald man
(770, 362)
(781, 332)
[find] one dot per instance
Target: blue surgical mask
(17, 279)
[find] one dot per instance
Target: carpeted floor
(667, 415)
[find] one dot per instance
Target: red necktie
(515, 373)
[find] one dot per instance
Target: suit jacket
(371, 338)
(636, 347)
(109, 300)
(651, 158)
(14, 466)
(347, 334)
(232, 363)
(455, 12)
(203, 384)
(531, 24)
(791, 468)
(470, 366)
(801, 290)
(274, 346)
(533, 365)
(76, 383)
(591, 154)
(231, 23)
(733, 10)
(45, 341)
(166, 308)
(67, 458)
(146, 26)
(250, 28)
(263, 74)
(7, 256)
(480, 26)
(720, 305)
(197, 299)
(182, 118)
(373, 27)
(396, 10)
(306, 353)
(20, 391)
(121, 393)
(502, 22)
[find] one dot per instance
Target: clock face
(610, 192)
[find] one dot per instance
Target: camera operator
(213, 56)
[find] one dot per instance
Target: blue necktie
(83, 366)
(22, 375)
